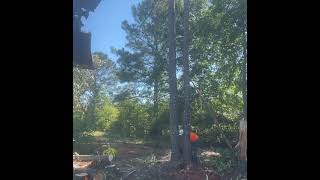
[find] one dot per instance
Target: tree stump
(81, 176)
(243, 140)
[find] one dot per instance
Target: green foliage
(110, 151)
(213, 135)
(133, 120)
(91, 108)
(224, 164)
(79, 124)
(106, 114)
(216, 53)
(160, 126)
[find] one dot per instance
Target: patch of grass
(120, 139)
(158, 144)
(85, 139)
(162, 142)
(96, 133)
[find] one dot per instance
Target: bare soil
(138, 161)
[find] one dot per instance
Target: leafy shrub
(107, 113)
(224, 164)
(213, 134)
(110, 151)
(133, 120)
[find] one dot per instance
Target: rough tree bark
(157, 132)
(243, 123)
(242, 144)
(173, 82)
(186, 78)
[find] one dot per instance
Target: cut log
(88, 157)
(82, 176)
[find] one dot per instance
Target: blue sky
(105, 25)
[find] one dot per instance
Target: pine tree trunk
(243, 124)
(156, 106)
(173, 82)
(91, 110)
(244, 76)
(186, 77)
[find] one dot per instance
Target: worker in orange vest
(194, 140)
(193, 137)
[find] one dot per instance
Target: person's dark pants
(194, 153)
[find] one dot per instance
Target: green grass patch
(96, 134)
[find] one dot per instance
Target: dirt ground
(138, 161)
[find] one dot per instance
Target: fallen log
(88, 157)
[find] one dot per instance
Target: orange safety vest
(193, 137)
